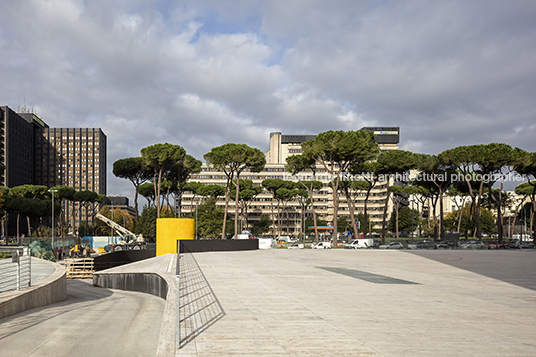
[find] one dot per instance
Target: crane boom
(127, 236)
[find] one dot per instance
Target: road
(512, 266)
(91, 322)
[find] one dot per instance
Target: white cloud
(203, 73)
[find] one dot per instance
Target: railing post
(29, 254)
(17, 257)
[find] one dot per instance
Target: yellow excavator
(80, 251)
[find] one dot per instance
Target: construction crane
(128, 240)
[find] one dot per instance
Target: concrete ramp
(156, 276)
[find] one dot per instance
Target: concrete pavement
(337, 303)
(348, 303)
(41, 269)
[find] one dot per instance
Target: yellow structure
(170, 230)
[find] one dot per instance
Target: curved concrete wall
(47, 291)
(151, 283)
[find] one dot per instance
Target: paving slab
(348, 303)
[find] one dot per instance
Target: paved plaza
(356, 303)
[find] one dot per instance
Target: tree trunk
(314, 212)
(441, 230)
(310, 191)
(227, 193)
(29, 227)
(279, 220)
(384, 221)
(396, 220)
(460, 220)
(18, 228)
(136, 203)
(272, 217)
(365, 224)
(335, 186)
(434, 210)
(302, 220)
(236, 205)
(156, 180)
(350, 203)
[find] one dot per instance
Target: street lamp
(52, 191)
(196, 208)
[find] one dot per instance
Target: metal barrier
(15, 268)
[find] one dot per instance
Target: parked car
(445, 244)
(418, 245)
(373, 235)
(523, 245)
(392, 245)
(473, 244)
(296, 246)
(321, 245)
(498, 245)
(513, 243)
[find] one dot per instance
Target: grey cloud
(203, 73)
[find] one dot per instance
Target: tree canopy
(135, 171)
(336, 151)
(232, 159)
(161, 158)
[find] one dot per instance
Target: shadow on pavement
(512, 266)
(199, 307)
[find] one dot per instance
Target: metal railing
(15, 268)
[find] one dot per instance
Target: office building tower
(35, 154)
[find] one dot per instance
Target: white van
(360, 243)
(321, 245)
(523, 237)
(267, 243)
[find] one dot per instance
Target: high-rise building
(33, 153)
(74, 157)
(17, 147)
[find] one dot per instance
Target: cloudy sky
(203, 73)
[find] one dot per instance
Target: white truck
(360, 243)
(321, 245)
(128, 240)
(286, 239)
(245, 234)
(267, 243)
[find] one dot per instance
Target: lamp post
(52, 191)
(412, 217)
(196, 208)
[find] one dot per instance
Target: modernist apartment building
(282, 146)
(33, 153)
